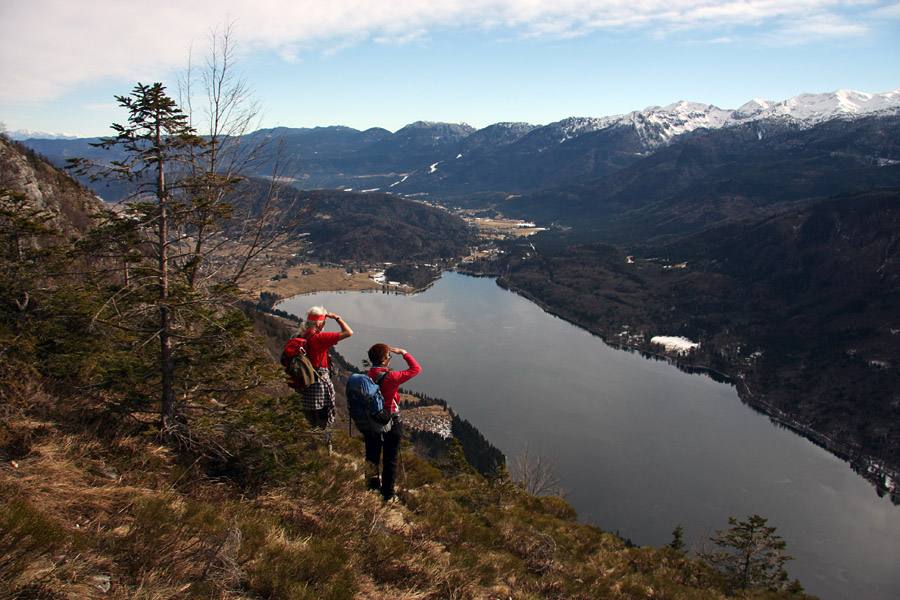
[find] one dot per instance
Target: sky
(388, 63)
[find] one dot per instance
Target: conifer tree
(677, 542)
(21, 222)
(43, 309)
(174, 255)
(204, 356)
(750, 554)
(156, 138)
(22, 266)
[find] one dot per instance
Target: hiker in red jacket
(389, 442)
(318, 398)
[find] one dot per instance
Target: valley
(781, 215)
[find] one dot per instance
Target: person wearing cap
(387, 443)
(318, 398)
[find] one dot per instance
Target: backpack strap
(378, 379)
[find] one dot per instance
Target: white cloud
(891, 11)
(816, 28)
(52, 45)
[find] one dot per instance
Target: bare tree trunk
(166, 364)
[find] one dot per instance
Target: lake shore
(881, 476)
(309, 278)
(723, 459)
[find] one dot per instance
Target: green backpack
(300, 371)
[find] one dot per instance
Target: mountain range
(738, 172)
(444, 160)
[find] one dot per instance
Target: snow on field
(678, 344)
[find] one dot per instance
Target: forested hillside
(378, 227)
(755, 170)
(801, 310)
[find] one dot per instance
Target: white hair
(316, 311)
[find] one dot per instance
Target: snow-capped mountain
(28, 134)
(657, 126)
(811, 109)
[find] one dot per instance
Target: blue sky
(387, 63)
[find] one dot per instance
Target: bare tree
(536, 473)
(228, 220)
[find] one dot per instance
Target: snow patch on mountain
(27, 134)
(812, 109)
(658, 126)
(576, 126)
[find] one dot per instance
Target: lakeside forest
(795, 310)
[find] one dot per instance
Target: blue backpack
(366, 404)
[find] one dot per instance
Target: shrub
(26, 533)
(418, 472)
(314, 569)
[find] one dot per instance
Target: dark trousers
(388, 445)
(322, 417)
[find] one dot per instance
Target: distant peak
(751, 108)
(28, 134)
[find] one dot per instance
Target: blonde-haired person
(318, 399)
(387, 443)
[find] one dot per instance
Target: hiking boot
(392, 499)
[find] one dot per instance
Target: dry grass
(501, 228)
(119, 516)
(306, 279)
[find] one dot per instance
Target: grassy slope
(87, 505)
(95, 507)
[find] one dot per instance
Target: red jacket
(392, 381)
(317, 346)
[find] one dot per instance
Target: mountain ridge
(454, 159)
(730, 173)
(841, 102)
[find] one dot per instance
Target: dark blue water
(642, 446)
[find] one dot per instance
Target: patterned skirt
(320, 394)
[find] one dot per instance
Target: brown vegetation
(286, 281)
(94, 509)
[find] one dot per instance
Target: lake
(641, 446)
